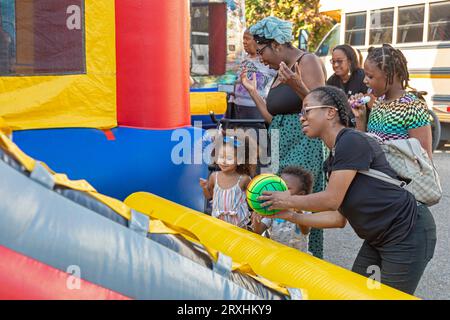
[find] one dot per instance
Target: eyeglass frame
(260, 51)
(339, 62)
(304, 112)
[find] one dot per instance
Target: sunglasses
(305, 111)
(260, 51)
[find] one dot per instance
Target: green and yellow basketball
(259, 184)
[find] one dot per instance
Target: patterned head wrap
(273, 28)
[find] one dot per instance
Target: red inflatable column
(152, 44)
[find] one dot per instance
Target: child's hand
(256, 218)
(203, 183)
(359, 110)
(257, 225)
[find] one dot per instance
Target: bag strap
(383, 177)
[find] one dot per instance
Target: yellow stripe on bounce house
(204, 102)
(283, 265)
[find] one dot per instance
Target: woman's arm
(423, 134)
(304, 229)
(328, 200)
(250, 85)
(320, 220)
(312, 73)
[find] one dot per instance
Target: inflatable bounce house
(99, 91)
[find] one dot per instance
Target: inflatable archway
(105, 115)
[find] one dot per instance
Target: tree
(303, 14)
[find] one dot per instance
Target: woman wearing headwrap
(298, 72)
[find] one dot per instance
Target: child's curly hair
(305, 177)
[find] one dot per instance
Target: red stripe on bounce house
(23, 278)
(109, 135)
(152, 59)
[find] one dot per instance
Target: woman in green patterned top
(284, 102)
(396, 114)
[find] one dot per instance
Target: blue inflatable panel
(44, 225)
(213, 89)
(137, 160)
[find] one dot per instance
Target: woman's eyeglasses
(304, 112)
(338, 62)
(260, 51)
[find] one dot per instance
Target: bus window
(410, 23)
(329, 42)
(439, 29)
(355, 28)
(381, 22)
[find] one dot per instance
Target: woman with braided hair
(399, 235)
(280, 109)
(396, 114)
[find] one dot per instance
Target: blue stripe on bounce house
(137, 160)
(52, 229)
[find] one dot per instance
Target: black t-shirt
(353, 86)
(378, 211)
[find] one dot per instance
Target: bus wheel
(435, 129)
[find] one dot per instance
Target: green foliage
(303, 14)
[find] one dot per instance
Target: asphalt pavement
(342, 245)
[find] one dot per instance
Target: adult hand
(293, 79)
(249, 84)
(276, 200)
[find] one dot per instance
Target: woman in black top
(399, 234)
(348, 74)
(290, 147)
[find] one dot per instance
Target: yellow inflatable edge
(268, 259)
(204, 102)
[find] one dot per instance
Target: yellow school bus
(420, 29)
